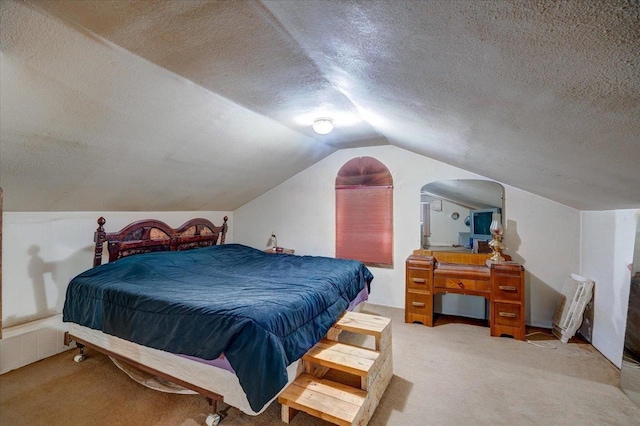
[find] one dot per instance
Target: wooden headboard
(145, 236)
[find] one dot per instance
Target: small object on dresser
(280, 250)
(272, 243)
(496, 243)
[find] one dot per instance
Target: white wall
(42, 251)
(543, 235)
(606, 251)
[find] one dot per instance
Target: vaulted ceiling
(204, 105)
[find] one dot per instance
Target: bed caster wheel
(213, 420)
(79, 358)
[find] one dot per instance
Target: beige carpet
(452, 374)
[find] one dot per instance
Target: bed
(224, 320)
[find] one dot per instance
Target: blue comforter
(264, 311)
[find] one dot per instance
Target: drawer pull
(460, 285)
(507, 314)
(419, 280)
(418, 304)
(507, 288)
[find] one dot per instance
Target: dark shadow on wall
(512, 239)
(50, 301)
(543, 291)
(36, 270)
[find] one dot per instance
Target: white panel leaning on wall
(576, 294)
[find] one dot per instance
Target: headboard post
(99, 238)
(224, 230)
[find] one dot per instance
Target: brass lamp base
(497, 247)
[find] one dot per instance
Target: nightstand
(280, 250)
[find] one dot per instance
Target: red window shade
(364, 212)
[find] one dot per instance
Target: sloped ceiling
(188, 105)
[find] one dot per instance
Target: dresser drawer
(508, 285)
(461, 283)
(508, 290)
(508, 314)
(418, 279)
(419, 303)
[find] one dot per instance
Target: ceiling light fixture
(322, 126)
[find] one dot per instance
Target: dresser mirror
(630, 372)
(447, 208)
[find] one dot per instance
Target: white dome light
(322, 126)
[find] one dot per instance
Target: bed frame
(147, 236)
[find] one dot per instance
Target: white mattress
(214, 379)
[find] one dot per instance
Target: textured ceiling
(186, 105)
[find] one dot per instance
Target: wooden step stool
(337, 402)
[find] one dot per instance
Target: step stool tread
(343, 357)
(356, 322)
(325, 399)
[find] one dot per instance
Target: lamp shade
(496, 225)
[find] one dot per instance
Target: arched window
(364, 212)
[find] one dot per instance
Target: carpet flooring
(451, 374)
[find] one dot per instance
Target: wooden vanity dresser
(502, 284)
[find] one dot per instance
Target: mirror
(630, 372)
(447, 209)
